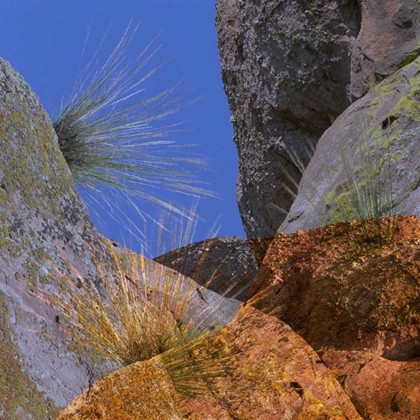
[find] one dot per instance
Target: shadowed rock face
(388, 40)
(290, 68)
(286, 73)
(225, 265)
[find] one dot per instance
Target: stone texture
(225, 265)
(349, 350)
(367, 299)
(388, 40)
(379, 388)
(384, 124)
(286, 73)
(273, 374)
(358, 307)
(127, 394)
(201, 306)
(44, 227)
(41, 216)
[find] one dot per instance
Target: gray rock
(388, 40)
(286, 73)
(43, 224)
(385, 122)
(225, 265)
(47, 240)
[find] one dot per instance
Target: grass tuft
(368, 196)
(112, 136)
(135, 309)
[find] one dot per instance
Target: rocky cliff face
(290, 68)
(330, 327)
(286, 72)
(41, 216)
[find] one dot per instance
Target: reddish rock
(338, 293)
(271, 374)
(379, 388)
(356, 304)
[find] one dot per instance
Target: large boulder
(272, 373)
(41, 217)
(388, 40)
(286, 70)
(374, 146)
(47, 245)
(349, 350)
(353, 293)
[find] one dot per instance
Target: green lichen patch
(19, 396)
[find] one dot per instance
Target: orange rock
(140, 391)
(356, 304)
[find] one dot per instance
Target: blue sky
(44, 39)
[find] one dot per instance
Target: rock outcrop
(374, 144)
(45, 229)
(353, 293)
(388, 40)
(289, 69)
(330, 329)
(286, 70)
(41, 216)
(273, 374)
(225, 265)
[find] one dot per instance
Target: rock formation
(290, 68)
(376, 137)
(45, 228)
(41, 217)
(286, 73)
(225, 265)
(388, 40)
(330, 329)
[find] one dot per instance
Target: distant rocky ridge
(225, 265)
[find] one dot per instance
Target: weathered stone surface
(225, 265)
(140, 391)
(202, 307)
(385, 124)
(41, 216)
(44, 227)
(286, 73)
(357, 306)
(379, 388)
(388, 40)
(367, 298)
(273, 374)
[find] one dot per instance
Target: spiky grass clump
(111, 134)
(141, 311)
